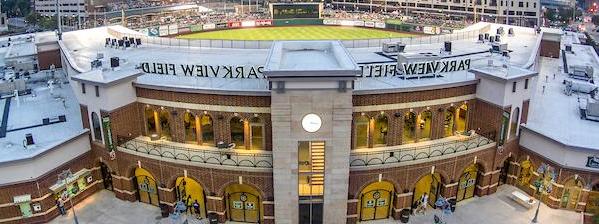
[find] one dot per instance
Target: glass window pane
(409, 128)
(207, 130)
(362, 132)
(237, 132)
(189, 122)
(379, 134)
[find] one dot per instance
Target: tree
(16, 8)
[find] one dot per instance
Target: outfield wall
(148, 38)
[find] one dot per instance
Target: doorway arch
(106, 176)
(467, 182)
(189, 191)
(376, 200)
(429, 184)
(243, 203)
(147, 189)
(572, 194)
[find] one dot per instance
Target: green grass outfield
(296, 33)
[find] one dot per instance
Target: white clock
(311, 122)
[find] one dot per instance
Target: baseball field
(297, 33)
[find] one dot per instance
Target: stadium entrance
(376, 200)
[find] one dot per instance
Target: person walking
(424, 203)
(196, 208)
(60, 204)
(188, 204)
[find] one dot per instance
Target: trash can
(452, 203)
(404, 215)
(212, 218)
(164, 210)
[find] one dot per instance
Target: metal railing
(398, 155)
(215, 157)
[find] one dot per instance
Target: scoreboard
(295, 10)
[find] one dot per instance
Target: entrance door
(375, 205)
(106, 176)
(505, 170)
(148, 192)
(244, 207)
(467, 183)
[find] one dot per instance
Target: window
(256, 134)
(513, 87)
(165, 128)
(514, 123)
(512, 4)
(151, 121)
(424, 123)
(534, 5)
(83, 88)
(409, 128)
(190, 125)
(379, 134)
(97, 91)
(462, 118)
(520, 4)
(207, 130)
(96, 127)
(361, 125)
(237, 132)
(526, 4)
(448, 122)
(526, 84)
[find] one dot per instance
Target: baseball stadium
(301, 117)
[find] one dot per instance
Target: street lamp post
(64, 177)
(544, 184)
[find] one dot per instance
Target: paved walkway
(104, 208)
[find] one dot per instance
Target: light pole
(544, 184)
(64, 177)
(58, 20)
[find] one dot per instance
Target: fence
(398, 155)
(206, 156)
(266, 44)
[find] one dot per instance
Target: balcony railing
(404, 154)
(176, 151)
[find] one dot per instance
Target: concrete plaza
(498, 208)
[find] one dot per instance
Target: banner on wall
(264, 22)
(184, 29)
(359, 23)
(163, 30)
(173, 29)
(107, 134)
(221, 25)
(346, 23)
(248, 23)
(145, 31)
(153, 31)
(195, 28)
(209, 26)
(234, 24)
(369, 24)
(379, 25)
(330, 22)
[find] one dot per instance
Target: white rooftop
(25, 116)
(555, 114)
(84, 45)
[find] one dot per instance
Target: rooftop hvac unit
(486, 36)
(481, 37)
(510, 31)
(114, 62)
(447, 46)
(497, 38)
(569, 48)
(28, 140)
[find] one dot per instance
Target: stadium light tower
(58, 20)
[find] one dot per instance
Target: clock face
(311, 122)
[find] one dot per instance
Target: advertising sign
(154, 31)
(379, 25)
(359, 23)
(264, 22)
(107, 134)
(248, 23)
(234, 24)
(593, 162)
(221, 25)
(173, 29)
(163, 31)
(184, 29)
(369, 24)
(195, 28)
(144, 31)
(209, 26)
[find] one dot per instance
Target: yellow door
(244, 207)
(430, 185)
(593, 202)
(467, 183)
(146, 186)
(376, 200)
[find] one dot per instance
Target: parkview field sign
(375, 70)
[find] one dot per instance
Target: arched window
(448, 122)
(409, 128)
(237, 132)
(207, 130)
(362, 124)
(462, 118)
(514, 123)
(379, 134)
(424, 124)
(96, 126)
(256, 134)
(165, 128)
(151, 121)
(189, 123)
